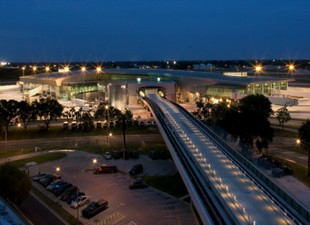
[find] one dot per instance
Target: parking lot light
(94, 161)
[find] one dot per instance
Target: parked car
(111, 124)
(68, 192)
(106, 169)
(54, 184)
(38, 176)
(74, 125)
(95, 207)
(137, 183)
(65, 125)
(80, 201)
(117, 154)
(62, 189)
(107, 155)
(74, 197)
(135, 154)
(136, 169)
(287, 170)
(98, 124)
(47, 179)
(57, 186)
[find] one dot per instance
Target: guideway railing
(215, 206)
(287, 203)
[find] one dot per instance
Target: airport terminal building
(123, 87)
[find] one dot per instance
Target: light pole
(66, 71)
(291, 68)
(108, 138)
(47, 69)
(23, 69)
(258, 68)
(83, 69)
(98, 71)
(107, 111)
(34, 69)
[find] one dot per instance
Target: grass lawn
(300, 173)
(59, 132)
(39, 159)
(172, 185)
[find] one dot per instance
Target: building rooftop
(198, 75)
(8, 216)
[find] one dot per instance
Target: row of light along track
(195, 142)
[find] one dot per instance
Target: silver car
(82, 200)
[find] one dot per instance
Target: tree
(8, 112)
(26, 113)
(199, 105)
(283, 116)
(124, 119)
(107, 112)
(247, 121)
(254, 128)
(47, 109)
(87, 121)
(219, 111)
(14, 185)
(304, 137)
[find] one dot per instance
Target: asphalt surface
(142, 206)
(38, 213)
(78, 141)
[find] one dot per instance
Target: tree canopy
(14, 185)
(47, 109)
(247, 121)
(304, 136)
(283, 116)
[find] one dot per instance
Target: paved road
(78, 141)
(38, 213)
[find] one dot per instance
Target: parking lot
(140, 206)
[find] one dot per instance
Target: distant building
(4, 64)
(236, 74)
(203, 66)
(123, 87)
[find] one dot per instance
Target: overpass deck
(247, 201)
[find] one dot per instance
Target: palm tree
(124, 118)
(304, 137)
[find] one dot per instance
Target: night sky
(121, 30)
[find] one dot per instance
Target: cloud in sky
(153, 30)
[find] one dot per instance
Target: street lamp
(108, 138)
(57, 169)
(34, 69)
(66, 70)
(291, 68)
(98, 71)
(23, 69)
(47, 69)
(94, 161)
(258, 68)
(83, 69)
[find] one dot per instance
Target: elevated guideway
(222, 190)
